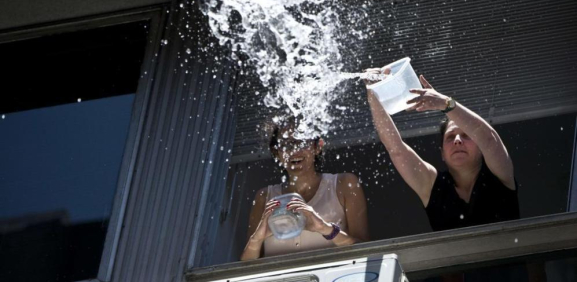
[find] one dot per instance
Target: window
(483, 54)
(66, 108)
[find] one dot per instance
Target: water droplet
(313, 64)
(79, 100)
(3, 116)
(516, 240)
(188, 51)
(338, 157)
(221, 148)
(164, 42)
(561, 128)
(461, 216)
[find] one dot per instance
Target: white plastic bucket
(393, 92)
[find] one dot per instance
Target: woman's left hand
(314, 221)
(429, 99)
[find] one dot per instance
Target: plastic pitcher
(393, 92)
(283, 223)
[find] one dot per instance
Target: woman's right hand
(384, 70)
(262, 230)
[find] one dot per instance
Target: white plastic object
(393, 92)
(283, 223)
(374, 268)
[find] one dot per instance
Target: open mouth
(296, 161)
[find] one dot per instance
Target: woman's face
(458, 148)
(296, 156)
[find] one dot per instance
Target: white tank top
(326, 203)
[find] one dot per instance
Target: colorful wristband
(336, 231)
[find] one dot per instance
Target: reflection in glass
(66, 106)
(58, 173)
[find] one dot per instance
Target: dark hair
(443, 129)
(273, 128)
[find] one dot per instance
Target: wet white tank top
(326, 203)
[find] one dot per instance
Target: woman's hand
(314, 221)
(262, 230)
(429, 99)
(376, 71)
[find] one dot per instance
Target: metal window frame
(429, 252)
(572, 197)
(156, 15)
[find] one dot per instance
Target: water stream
(295, 48)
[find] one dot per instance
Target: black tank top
(490, 202)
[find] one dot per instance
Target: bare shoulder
(347, 182)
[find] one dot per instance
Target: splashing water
(294, 48)
(363, 75)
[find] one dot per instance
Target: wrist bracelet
(334, 233)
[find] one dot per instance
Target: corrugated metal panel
(572, 197)
(506, 60)
(181, 160)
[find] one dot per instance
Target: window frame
(156, 17)
(572, 197)
(427, 253)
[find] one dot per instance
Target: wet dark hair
(273, 130)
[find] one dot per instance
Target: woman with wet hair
(334, 204)
(479, 186)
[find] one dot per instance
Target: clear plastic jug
(393, 92)
(283, 223)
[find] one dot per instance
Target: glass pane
(64, 124)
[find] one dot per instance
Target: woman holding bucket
(479, 186)
(334, 205)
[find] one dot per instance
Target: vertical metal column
(572, 197)
(182, 157)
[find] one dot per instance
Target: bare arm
(258, 229)
(494, 152)
(417, 173)
(355, 205)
